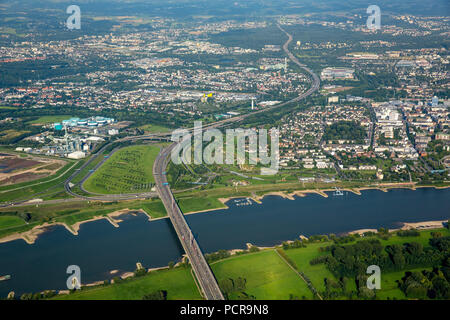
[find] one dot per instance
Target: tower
(285, 65)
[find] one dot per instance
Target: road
(205, 277)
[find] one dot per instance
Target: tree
(414, 248)
(240, 284)
(157, 295)
(227, 286)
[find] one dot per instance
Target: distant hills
(183, 8)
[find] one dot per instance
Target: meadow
(179, 284)
(267, 276)
(129, 170)
(316, 273)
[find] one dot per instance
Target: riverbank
(424, 225)
(32, 235)
(322, 192)
(245, 262)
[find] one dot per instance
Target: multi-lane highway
(204, 275)
(207, 282)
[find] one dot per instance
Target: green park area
(266, 276)
(129, 170)
(178, 283)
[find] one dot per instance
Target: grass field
(316, 273)
(152, 128)
(189, 205)
(267, 275)
(178, 283)
(389, 286)
(50, 119)
(10, 221)
(129, 170)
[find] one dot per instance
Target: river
(100, 247)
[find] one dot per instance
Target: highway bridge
(201, 268)
(205, 277)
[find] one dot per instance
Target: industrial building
(337, 73)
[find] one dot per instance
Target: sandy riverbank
(424, 225)
(31, 236)
(323, 192)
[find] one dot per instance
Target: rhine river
(100, 248)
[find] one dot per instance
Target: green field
(267, 275)
(188, 205)
(389, 286)
(178, 283)
(316, 273)
(50, 119)
(153, 128)
(129, 170)
(10, 221)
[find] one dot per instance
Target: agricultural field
(267, 276)
(9, 134)
(129, 170)
(26, 190)
(16, 169)
(179, 284)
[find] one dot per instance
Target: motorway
(205, 277)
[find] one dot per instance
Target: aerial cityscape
(213, 150)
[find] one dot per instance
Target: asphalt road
(201, 268)
(205, 277)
